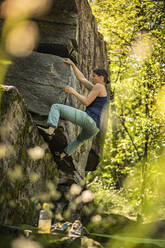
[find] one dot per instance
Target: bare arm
(79, 75)
(83, 99)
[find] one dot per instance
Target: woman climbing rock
(89, 120)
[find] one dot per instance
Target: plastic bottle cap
(45, 205)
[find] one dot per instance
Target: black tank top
(94, 110)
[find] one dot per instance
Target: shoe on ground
(76, 230)
(61, 228)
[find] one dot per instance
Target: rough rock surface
(41, 79)
(23, 177)
(69, 30)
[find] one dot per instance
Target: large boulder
(41, 79)
(26, 163)
(68, 30)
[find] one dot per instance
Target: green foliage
(134, 32)
(110, 200)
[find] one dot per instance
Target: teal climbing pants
(78, 117)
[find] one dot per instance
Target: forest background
(130, 178)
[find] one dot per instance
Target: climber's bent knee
(85, 134)
(55, 106)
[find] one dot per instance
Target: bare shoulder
(98, 86)
(101, 89)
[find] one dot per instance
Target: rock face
(69, 30)
(41, 80)
(23, 177)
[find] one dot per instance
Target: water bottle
(44, 223)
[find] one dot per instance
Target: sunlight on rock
(22, 39)
(36, 153)
(75, 189)
(161, 103)
(14, 8)
(96, 218)
(24, 243)
(3, 150)
(87, 196)
(16, 173)
(143, 46)
(5, 130)
(34, 177)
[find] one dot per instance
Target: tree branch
(126, 129)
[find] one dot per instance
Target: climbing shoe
(47, 131)
(76, 229)
(66, 165)
(61, 228)
(58, 156)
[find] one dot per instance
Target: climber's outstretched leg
(87, 132)
(75, 116)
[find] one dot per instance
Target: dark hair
(102, 72)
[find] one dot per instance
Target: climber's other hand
(6, 87)
(68, 61)
(69, 90)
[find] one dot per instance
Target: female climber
(89, 120)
